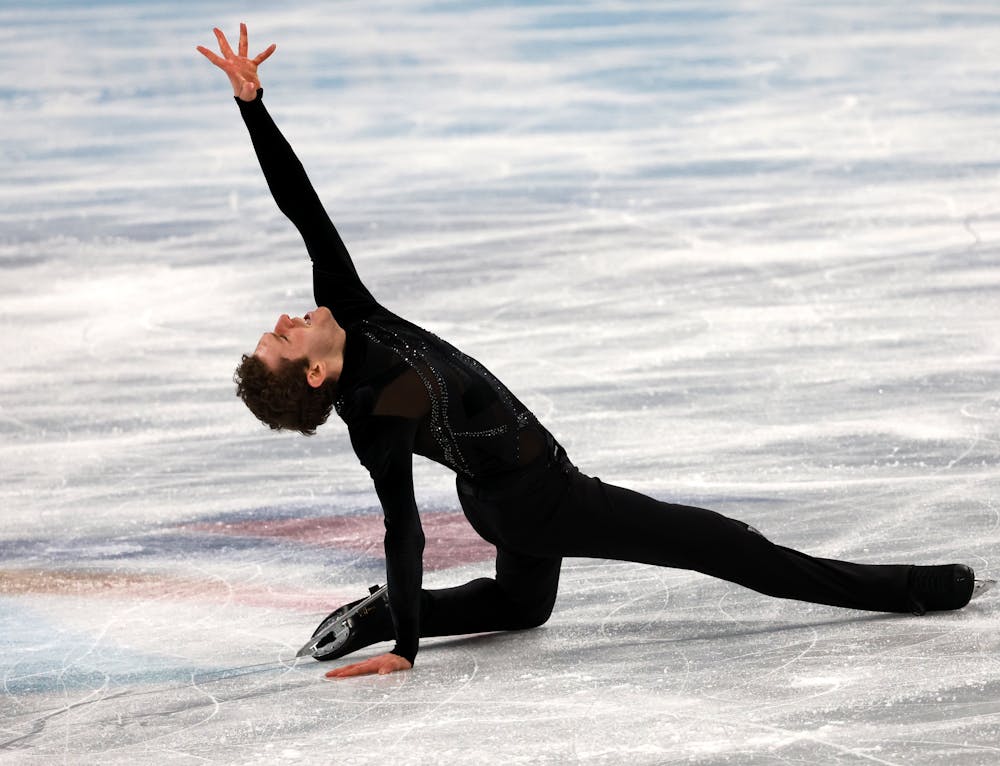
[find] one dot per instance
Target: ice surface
(740, 255)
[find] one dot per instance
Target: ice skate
(942, 587)
(351, 627)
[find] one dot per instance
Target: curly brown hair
(283, 398)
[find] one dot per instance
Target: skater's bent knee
(535, 616)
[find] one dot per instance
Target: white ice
(742, 255)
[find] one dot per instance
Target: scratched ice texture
(744, 255)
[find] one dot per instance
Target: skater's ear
(316, 374)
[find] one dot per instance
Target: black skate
(943, 587)
(352, 627)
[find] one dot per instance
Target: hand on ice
(242, 71)
(383, 664)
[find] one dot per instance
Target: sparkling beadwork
(429, 357)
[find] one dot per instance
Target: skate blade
(311, 647)
(332, 623)
(337, 626)
(981, 587)
(306, 651)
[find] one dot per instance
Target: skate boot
(940, 588)
(351, 627)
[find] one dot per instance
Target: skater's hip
(514, 510)
(550, 468)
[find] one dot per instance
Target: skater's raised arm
(335, 280)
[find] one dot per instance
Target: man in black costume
(403, 391)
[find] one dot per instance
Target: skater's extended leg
(605, 521)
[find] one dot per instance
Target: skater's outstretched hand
(242, 71)
(383, 664)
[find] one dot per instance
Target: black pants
(551, 510)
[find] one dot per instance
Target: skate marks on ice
(651, 664)
(121, 643)
(709, 673)
(637, 663)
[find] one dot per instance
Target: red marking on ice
(151, 587)
(450, 540)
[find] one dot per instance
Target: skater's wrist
(258, 95)
(407, 653)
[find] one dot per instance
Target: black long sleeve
(385, 447)
(336, 283)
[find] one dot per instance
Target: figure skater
(402, 390)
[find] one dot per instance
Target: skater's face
(311, 336)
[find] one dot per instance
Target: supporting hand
(383, 664)
(242, 71)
